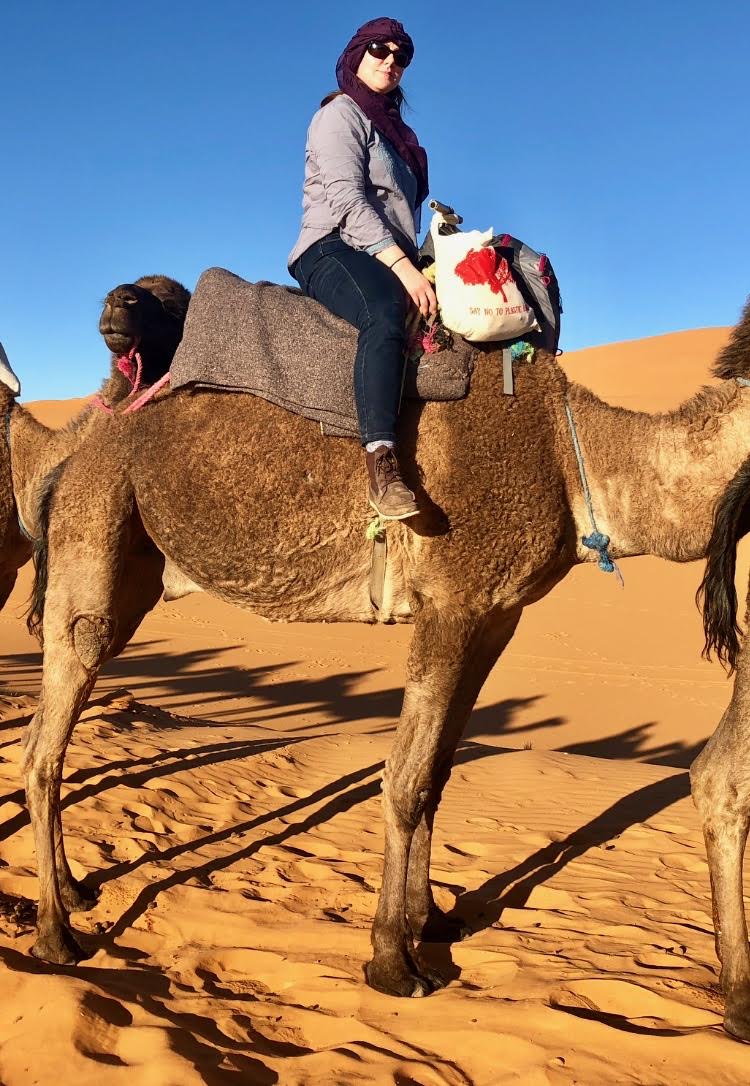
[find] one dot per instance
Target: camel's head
(7, 376)
(148, 315)
(734, 360)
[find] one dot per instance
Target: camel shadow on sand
(481, 908)
(199, 672)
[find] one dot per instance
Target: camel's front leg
(75, 896)
(720, 780)
(75, 644)
(426, 920)
(70, 685)
(440, 691)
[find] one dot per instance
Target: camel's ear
(7, 376)
(175, 301)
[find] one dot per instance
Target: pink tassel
(132, 373)
(147, 395)
(429, 345)
(99, 402)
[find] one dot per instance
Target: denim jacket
(355, 182)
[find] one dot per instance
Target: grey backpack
(536, 279)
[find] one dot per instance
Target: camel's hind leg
(720, 780)
(450, 657)
(426, 920)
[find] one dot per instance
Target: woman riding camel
(365, 181)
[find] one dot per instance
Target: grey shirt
(355, 181)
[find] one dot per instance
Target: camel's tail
(717, 592)
(35, 614)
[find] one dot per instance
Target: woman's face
(380, 75)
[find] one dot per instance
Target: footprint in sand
(659, 896)
(551, 898)
(535, 839)
(663, 959)
(670, 827)
(623, 999)
(303, 871)
(469, 848)
(684, 861)
(612, 948)
(284, 791)
(143, 819)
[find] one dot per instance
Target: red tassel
(477, 267)
(482, 267)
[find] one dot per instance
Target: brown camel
(255, 506)
(148, 314)
(720, 776)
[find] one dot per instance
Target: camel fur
(148, 314)
(720, 776)
(255, 506)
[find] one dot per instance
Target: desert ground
(222, 789)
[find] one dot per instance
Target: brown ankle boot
(389, 496)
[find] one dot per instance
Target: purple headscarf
(382, 109)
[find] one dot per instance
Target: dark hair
(397, 95)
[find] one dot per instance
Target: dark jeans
(364, 292)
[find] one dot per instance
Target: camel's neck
(654, 479)
(35, 450)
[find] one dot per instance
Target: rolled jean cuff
(380, 435)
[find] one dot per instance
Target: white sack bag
(476, 292)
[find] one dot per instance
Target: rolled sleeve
(378, 246)
(338, 142)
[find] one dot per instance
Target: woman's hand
(419, 289)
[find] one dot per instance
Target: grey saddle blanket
(276, 343)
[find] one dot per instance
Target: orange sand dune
(224, 781)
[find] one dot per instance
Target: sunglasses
(379, 50)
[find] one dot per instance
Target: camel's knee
(406, 802)
(711, 773)
(701, 783)
(721, 796)
(92, 638)
(40, 773)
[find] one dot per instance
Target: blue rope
(596, 541)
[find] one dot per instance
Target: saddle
(275, 342)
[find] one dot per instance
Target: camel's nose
(124, 295)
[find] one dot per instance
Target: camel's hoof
(440, 928)
(78, 898)
(397, 977)
(737, 1017)
(59, 948)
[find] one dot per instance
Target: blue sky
(167, 137)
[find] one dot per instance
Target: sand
(224, 785)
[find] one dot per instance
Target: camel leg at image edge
(442, 685)
(76, 897)
(426, 920)
(66, 686)
(721, 792)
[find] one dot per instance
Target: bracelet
(395, 262)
